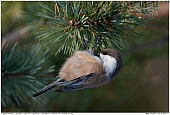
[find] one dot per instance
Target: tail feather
(43, 90)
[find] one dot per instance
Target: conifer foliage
(22, 73)
(79, 24)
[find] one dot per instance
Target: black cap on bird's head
(112, 53)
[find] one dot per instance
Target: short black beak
(96, 54)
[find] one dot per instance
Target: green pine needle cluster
(22, 73)
(75, 25)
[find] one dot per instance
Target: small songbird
(85, 70)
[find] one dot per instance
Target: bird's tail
(43, 90)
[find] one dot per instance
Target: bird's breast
(80, 64)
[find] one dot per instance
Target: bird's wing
(68, 88)
(73, 84)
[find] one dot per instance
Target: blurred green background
(141, 86)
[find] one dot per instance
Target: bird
(86, 70)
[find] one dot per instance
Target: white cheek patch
(109, 63)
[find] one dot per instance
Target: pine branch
(69, 23)
(21, 68)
